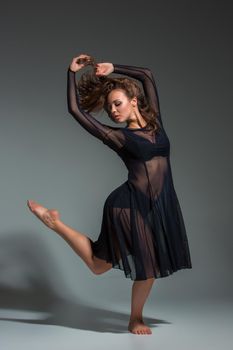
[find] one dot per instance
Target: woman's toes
(31, 204)
(138, 327)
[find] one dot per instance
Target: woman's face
(119, 106)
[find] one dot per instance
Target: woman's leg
(79, 242)
(140, 292)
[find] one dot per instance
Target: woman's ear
(134, 101)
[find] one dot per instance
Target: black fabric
(142, 231)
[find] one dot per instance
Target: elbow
(148, 72)
(72, 110)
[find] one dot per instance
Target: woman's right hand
(75, 66)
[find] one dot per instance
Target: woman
(142, 232)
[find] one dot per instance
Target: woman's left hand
(104, 68)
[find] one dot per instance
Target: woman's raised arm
(109, 135)
(86, 120)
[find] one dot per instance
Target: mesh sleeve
(111, 136)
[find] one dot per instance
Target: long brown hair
(93, 92)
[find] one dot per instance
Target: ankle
(135, 318)
(59, 226)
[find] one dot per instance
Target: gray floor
(197, 324)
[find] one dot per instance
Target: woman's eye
(118, 104)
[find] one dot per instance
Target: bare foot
(137, 326)
(48, 216)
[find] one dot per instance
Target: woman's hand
(79, 62)
(104, 68)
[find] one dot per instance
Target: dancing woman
(142, 233)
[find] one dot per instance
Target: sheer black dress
(142, 231)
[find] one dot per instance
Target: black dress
(143, 231)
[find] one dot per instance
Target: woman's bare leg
(79, 242)
(140, 292)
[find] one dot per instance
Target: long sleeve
(145, 76)
(111, 136)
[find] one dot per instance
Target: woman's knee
(100, 271)
(100, 266)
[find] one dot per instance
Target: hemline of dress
(129, 275)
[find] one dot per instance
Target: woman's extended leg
(79, 242)
(140, 292)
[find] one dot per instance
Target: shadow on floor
(32, 255)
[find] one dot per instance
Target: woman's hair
(93, 93)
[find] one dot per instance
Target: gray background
(48, 157)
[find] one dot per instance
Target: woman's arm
(86, 120)
(145, 76)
